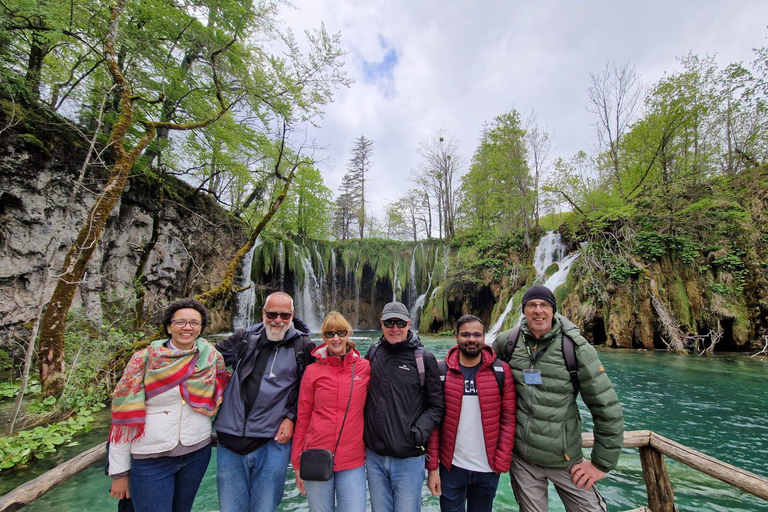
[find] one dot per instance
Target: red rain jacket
(323, 399)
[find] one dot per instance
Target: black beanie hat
(540, 292)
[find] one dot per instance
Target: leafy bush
(36, 443)
(651, 246)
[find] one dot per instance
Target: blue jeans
(167, 484)
(344, 492)
(394, 484)
(252, 482)
(460, 486)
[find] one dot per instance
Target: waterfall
(357, 287)
(281, 262)
(246, 300)
(309, 300)
(550, 250)
(395, 282)
(333, 299)
(324, 299)
(416, 309)
(412, 290)
(416, 312)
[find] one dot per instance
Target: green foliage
(6, 361)
(11, 389)
(498, 191)
(307, 209)
(20, 448)
(732, 264)
(652, 246)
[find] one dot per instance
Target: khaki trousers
(530, 483)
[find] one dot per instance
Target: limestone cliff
(42, 204)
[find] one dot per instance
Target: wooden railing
(653, 448)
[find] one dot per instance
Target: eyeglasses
(180, 322)
(531, 306)
(331, 334)
(274, 314)
(468, 335)
(390, 323)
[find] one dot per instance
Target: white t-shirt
(469, 452)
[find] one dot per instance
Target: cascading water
(281, 262)
(419, 304)
(246, 300)
(550, 250)
(334, 285)
(309, 299)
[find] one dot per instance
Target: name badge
(532, 377)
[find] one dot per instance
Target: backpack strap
(372, 351)
(299, 347)
(514, 334)
(498, 371)
(419, 355)
(442, 368)
(569, 354)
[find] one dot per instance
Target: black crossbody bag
(317, 464)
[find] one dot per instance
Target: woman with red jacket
(323, 400)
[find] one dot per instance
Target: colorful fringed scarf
(200, 373)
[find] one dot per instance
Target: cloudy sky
(426, 65)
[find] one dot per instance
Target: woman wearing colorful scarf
(160, 440)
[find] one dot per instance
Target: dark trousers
(461, 487)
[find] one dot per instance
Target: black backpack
(569, 354)
(498, 372)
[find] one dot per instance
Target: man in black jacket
(405, 403)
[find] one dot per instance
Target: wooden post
(657, 483)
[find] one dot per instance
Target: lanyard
(533, 356)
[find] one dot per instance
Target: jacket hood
(412, 341)
(452, 357)
(321, 356)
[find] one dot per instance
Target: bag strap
(351, 387)
(569, 354)
(419, 355)
(498, 370)
(511, 342)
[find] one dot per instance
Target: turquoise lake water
(716, 405)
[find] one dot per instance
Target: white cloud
(456, 64)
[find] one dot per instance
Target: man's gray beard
(279, 336)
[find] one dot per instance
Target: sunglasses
(394, 322)
(273, 314)
(331, 334)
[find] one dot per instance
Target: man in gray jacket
(255, 421)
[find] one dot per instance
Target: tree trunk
(55, 317)
(37, 52)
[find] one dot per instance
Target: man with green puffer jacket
(548, 434)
